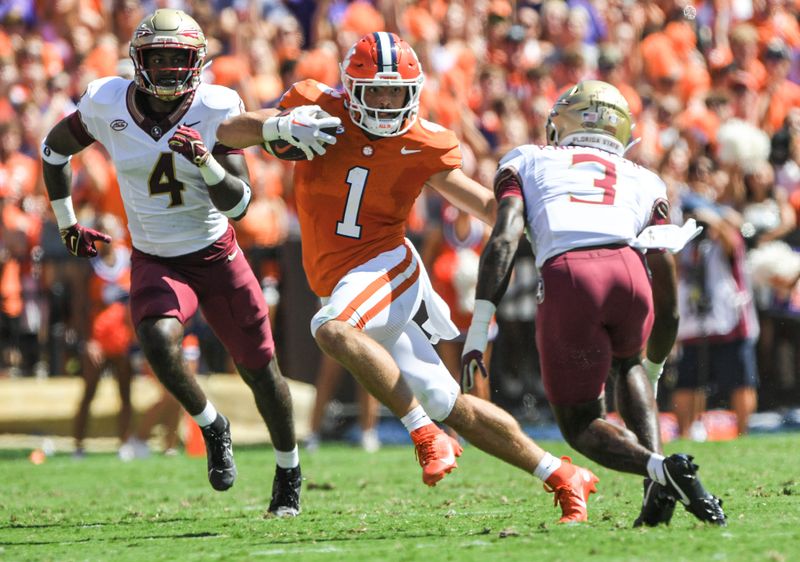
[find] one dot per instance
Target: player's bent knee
(321, 318)
(438, 401)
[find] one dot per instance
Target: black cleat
(657, 505)
(286, 492)
(683, 483)
(219, 450)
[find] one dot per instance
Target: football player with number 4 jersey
(588, 211)
(179, 196)
(354, 193)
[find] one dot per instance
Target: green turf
(358, 506)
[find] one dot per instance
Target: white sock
(288, 459)
(547, 466)
(207, 416)
(415, 419)
(655, 469)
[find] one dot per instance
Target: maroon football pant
(598, 304)
(219, 280)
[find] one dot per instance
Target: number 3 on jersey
(162, 179)
(348, 226)
(607, 182)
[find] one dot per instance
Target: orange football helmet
(382, 59)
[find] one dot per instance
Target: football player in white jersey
(178, 196)
(584, 205)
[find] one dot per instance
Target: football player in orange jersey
(352, 205)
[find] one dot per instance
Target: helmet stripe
(387, 57)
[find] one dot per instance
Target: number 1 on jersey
(348, 226)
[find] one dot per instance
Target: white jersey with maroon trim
(169, 210)
(577, 197)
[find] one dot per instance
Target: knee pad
(323, 315)
(439, 397)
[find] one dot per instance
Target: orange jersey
(352, 203)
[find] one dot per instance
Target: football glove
(302, 127)
(475, 344)
(188, 143)
(471, 362)
(80, 241)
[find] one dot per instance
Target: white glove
(475, 344)
(670, 237)
(302, 127)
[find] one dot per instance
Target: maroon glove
(188, 142)
(80, 240)
(470, 362)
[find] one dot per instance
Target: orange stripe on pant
(385, 301)
(351, 309)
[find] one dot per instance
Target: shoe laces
(425, 451)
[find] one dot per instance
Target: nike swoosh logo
(449, 459)
(233, 255)
(191, 124)
(684, 498)
(299, 124)
(405, 150)
(282, 148)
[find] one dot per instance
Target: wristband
(212, 171)
(269, 130)
(64, 212)
(52, 157)
(478, 333)
(240, 207)
(484, 310)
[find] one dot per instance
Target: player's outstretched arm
(466, 194)
(497, 260)
(303, 126)
(244, 130)
(57, 150)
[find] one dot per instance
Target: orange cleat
(436, 452)
(571, 486)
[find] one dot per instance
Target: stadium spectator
(583, 205)
(179, 198)
(718, 325)
(370, 277)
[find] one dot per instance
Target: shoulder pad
(308, 92)
(214, 96)
(109, 90)
(434, 134)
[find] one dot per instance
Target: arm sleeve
(78, 129)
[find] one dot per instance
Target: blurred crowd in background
(712, 85)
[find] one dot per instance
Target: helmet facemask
(384, 122)
(168, 30)
(382, 60)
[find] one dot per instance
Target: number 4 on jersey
(162, 179)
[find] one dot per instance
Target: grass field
(374, 507)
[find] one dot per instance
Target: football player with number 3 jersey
(588, 211)
(354, 192)
(179, 196)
